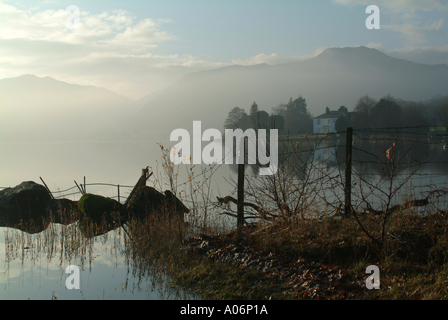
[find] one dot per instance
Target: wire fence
(388, 165)
(123, 191)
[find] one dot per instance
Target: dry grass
(413, 256)
(413, 262)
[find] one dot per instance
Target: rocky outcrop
(98, 214)
(147, 200)
(95, 206)
(24, 205)
(30, 208)
(26, 200)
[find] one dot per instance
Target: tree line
(288, 118)
(389, 112)
(293, 118)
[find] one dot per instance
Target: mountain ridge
(338, 76)
(39, 81)
(44, 108)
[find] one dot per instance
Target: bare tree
(396, 168)
(233, 117)
(362, 111)
(291, 193)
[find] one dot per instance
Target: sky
(135, 48)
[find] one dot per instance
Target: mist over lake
(115, 162)
(353, 99)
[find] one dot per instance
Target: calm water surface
(33, 267)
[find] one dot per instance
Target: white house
(326, 122)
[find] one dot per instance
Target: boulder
(147, 200)
(95, 207)
(25, 200)
(97, 214)
(24, 205)
(175, 204)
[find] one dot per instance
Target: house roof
(330, 115)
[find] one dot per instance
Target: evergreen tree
(296, 116)
(254, 110)
(297, 119)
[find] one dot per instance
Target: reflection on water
(32, 266)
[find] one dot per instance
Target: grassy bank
(413, 261)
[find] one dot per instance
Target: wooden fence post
(51, 195)
(240, 218)
(79, 188)
(240, 210)
(145, 176)
(348, 171)
(141, 182)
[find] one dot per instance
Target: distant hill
(147, 98)
(34, 108)
(338, 76)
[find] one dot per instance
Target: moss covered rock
(96, 214)
(95, 206)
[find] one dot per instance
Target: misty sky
(136, 47)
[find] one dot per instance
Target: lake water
(29, 268)
(113, 162)
(38, 273)
(33, 267)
